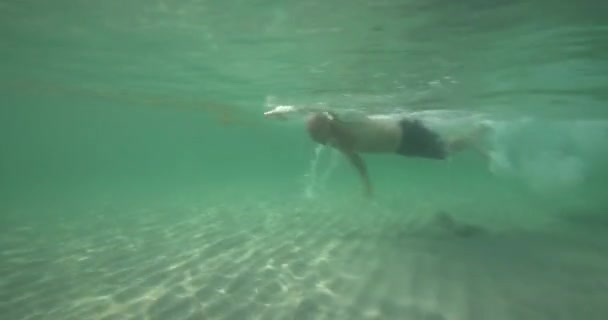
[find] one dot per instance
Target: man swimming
(376, 134)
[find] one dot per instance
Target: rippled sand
(278, 261)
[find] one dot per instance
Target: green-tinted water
(139, 178)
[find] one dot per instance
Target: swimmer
(376, 134)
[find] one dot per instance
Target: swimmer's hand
(280, 112)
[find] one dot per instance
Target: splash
(316, 177)
(548, 156)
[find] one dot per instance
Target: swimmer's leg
(471, 140)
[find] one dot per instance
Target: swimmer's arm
(344, 142)
(349, 116)
(359, 164)
(281, 112)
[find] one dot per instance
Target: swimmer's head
(319, 127)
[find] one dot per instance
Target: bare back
(373, 134)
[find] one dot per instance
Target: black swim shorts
(419, 141)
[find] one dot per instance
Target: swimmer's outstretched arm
(281, 112)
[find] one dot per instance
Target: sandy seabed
(270, 261)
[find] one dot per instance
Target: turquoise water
(139, 179)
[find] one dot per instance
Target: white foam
(318, 175)
(547, 155)
(311, 175)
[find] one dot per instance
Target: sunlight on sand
(233, 263)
